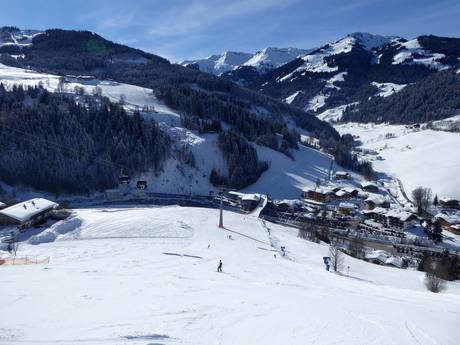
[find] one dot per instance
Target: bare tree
(433, 283)
(122, 99)
(422, 199)
(13, 247)
(309, 232)
(356, 247)
(337, 258)
(61, 85)
(97, 91)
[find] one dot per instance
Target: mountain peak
(262, 60)
(370, 41)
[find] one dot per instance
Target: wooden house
(27, 213)
(374, 201)
(318, 194)
(370, 187)
(341, 175)
(449, 203)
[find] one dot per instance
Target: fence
(24, 260)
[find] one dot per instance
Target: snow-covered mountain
(263, 60)
(220, 63)
(353, 69)
(193, 114)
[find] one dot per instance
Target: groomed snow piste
(148, 276)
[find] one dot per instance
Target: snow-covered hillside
(317, 60)
(16, 37)
(263, 60)
(411, 52)
(148, 276)
(417, 157)
(288, 177)
(177, 177)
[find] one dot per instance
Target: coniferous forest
(50, 142)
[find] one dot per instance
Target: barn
(27, 213)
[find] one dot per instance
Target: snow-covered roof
(341, 173)
(250, 197)
(341, 193)
(395, 213)
(368, 184)
(448, 199)
(379, 210)
(347, 205)
(385, 258)
(450, 218)
(290, 203)
(400, 214)
(320, 190)
(350, 189)
(376, 199)
(23, 211)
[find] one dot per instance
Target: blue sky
(181, 29)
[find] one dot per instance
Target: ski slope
(287, 177)
(417, 157)
(148, 276)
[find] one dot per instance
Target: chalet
(286, 205)
(374, 201)
(318, 194)
(250, 201)
(397, 219)
(455, 228)
(341, 194)
(341, 175)
(449, 222)
(27, 213)
(381, 257)
(400, 219)
(346, 208)
(247, 202)
(377, 214)
(449, 203)
(353, 192)
(370, 187)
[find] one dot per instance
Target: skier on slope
(219, 267)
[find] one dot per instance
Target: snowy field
(148, 276)
(418, 158)
(287, 177)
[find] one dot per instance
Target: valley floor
(148, 276)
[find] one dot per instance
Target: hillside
(175, 174)
(84, 65)
(418, 157)
(148, 276)
(435, 97)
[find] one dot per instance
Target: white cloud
(181, 19)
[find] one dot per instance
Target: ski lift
(141, 184)
(124, 179)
